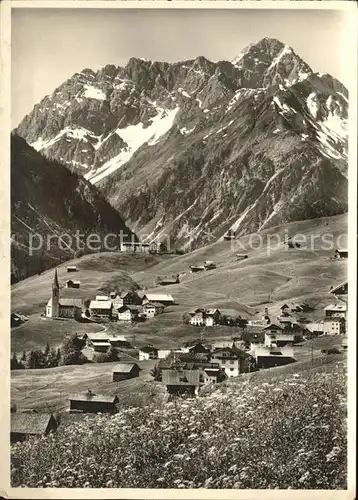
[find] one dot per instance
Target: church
(62, 307)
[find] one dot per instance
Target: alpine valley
(194, 148)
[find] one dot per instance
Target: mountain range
(49, 203)
(191, 149)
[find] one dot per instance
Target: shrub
(254, 433)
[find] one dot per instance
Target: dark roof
(148, 348)
(98, 398)
(272, 326)
(124, 367)
(30, 423)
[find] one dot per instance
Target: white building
(336, 310)
(334, 326)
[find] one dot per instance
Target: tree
(51, 359)
(186, 318)
(23, 357)
(72, 350)
(47, 350)
(156, 373)
(58, 355)
(14, 365)
(112, 354)
(35, 359)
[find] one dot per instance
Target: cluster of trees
(70, 354)
(36, 358)
(107, 357)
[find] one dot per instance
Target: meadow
(281, 428)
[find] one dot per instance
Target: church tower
(55, 297)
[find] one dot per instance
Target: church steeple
(55, 281)
(55, 297)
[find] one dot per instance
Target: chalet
(169, 281)
(101, 309)
(25, 425)
(163, 298)
(209, 265)
(341, 289)
(102, 298)
(163, 353)
(125, 371)
(341, 253)
(284, 308)
(336, 311)
(17, 319)
(72, 284)
(128, 313)
(268, 357)
(213, 375)
(234, 361)
(95, 338)
(126, 299)
(148, 352)
(278, 336)
(93, 403)
(204, 317)
(149, 310)
(120, 341)
(196, 269)
(62, 307)
(241, 256)
(198, 349)
(280, 339)
(334, 326)
(101, 346)
(135, 247)
(316, 327)
(71, 269)
(181, 381)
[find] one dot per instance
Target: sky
(50, 45)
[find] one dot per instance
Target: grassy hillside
(96, 272)
(266, 278)
(50, 389)
(275, 430)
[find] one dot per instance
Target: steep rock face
(49, 202)
(190, 149)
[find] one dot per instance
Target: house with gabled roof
(25, 425)
(89, 402)
(125, 371)
(101, 309)
(147, 352)
(340, 289)
(164, 298)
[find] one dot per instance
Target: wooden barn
(72, 284)
(181, 382)
(125, 371)
(93, 403)
(71, 269)
(25, 425)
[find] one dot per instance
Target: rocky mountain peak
(228, 135)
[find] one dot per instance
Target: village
(256, 344)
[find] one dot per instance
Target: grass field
(49, 389)
(235, 287)
(277, 429)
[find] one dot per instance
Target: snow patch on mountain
(135, 136)
(92, 92)
(312, 104)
